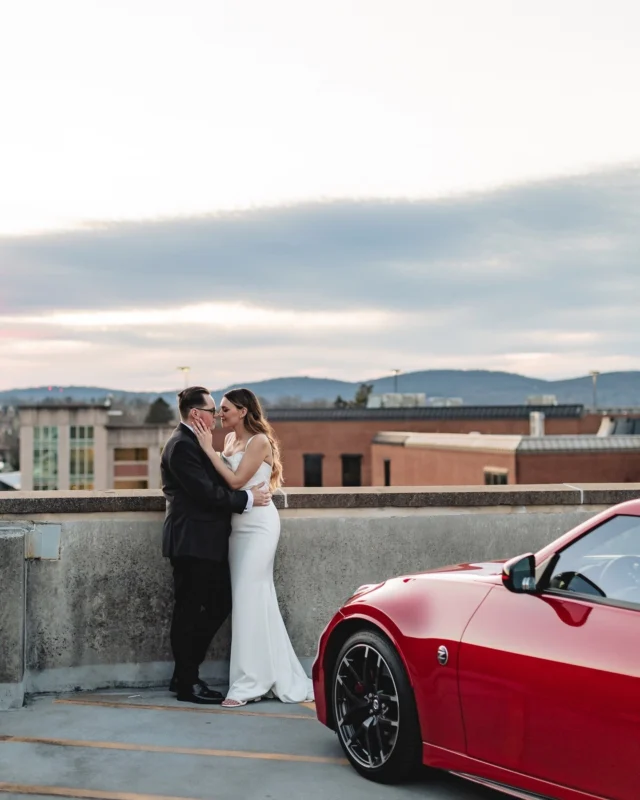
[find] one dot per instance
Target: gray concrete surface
(148, 744)
(12, 615)
(107, 600)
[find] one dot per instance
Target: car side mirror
(519, 574)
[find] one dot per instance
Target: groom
(196, 539)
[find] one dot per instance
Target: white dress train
(262, 659)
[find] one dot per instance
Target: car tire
(376, 718)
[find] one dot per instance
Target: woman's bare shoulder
(260, 438)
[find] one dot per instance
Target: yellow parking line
(183, 751)
(88, 794)
(311, 706)
(192, 710)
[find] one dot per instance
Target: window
(351, 470)
(131, 454)
(81, 455)
(387, 472)
(131, 485)
(496, 476)
(45, 457)
(604, 563)
(312, 469)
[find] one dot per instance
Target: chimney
(536, 423)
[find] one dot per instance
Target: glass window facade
(81, 457)
(45, 457)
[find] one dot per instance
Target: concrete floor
(145, 745)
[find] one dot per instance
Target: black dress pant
(202, 602)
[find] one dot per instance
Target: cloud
(541, 278)
(212, 315)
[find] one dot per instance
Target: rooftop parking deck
(128, 745)
(86, 607)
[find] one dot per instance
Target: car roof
(630, 507)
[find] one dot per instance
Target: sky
(333, 189)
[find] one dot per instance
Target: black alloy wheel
(374, 709)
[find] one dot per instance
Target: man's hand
(261, 495)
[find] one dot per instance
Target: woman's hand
(204, 437)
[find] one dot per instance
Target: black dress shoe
(196, 694)
(173, 687)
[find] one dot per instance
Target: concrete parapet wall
(12, 615)
(98, 611)
(21, 504)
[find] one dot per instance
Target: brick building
(422, 459)
(332, 447)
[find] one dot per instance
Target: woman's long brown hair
(255, 422)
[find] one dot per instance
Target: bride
(262, 659)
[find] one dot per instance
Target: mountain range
(475, 387)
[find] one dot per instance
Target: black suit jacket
(199, 502)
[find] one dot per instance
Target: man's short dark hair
(192, 397)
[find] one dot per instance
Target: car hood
(482, 571)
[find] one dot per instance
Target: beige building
(83, 446)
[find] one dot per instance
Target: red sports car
(523, 676)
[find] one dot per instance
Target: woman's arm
(260, 449)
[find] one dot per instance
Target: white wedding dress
(262, 659)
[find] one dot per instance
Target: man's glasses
(211, 410)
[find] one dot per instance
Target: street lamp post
(185, 371)
(396, 372)
(594, 377)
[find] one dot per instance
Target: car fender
(418, 615)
